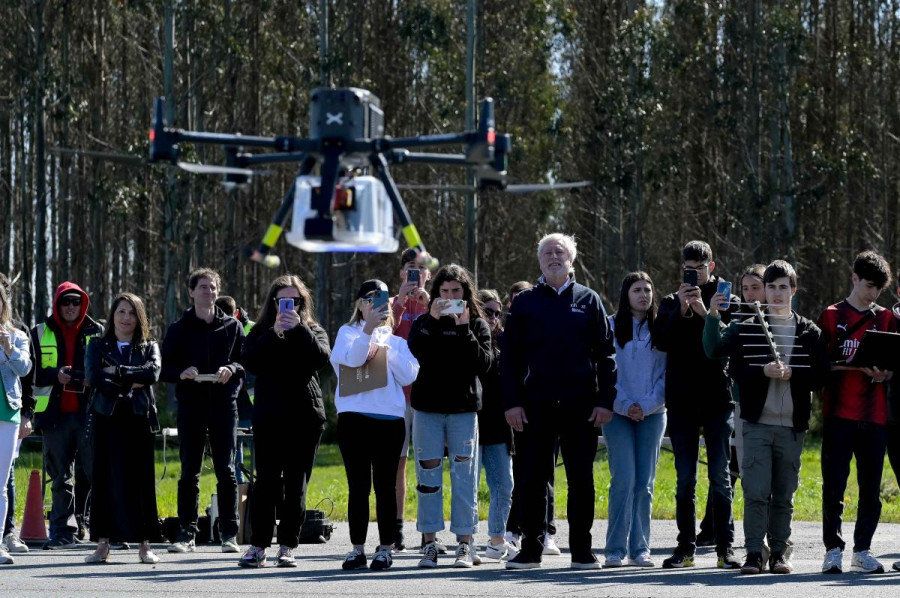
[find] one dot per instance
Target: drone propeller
(214, 169)
(121, 158)
(522, 188)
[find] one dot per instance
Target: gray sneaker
(864, 562)
(285, 557)
(429, 561)
(183, 544)
(464, 556)
(832, 562)
(5, 557)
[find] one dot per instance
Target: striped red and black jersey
(850, 394)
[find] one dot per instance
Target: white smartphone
(454, 307)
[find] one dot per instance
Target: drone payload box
(363, 216)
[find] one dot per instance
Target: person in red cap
(57, 402)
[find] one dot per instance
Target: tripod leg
(273, 233)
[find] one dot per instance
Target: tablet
(877, 349)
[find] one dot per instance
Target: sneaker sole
(833, 571)
(750, 571)
(551, 552)
(612, 565)
(856, 569)
(229, 550)
(379, 567)
(286, 564)
(463, 564)
(782, 571)
(427, 565)
(728, 565)
(250, 565)
(681, 565)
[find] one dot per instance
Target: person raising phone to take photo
(373, 365)
(453, 345)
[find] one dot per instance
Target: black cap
(370, 286)
(409, 255)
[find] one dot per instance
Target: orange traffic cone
(33, 527)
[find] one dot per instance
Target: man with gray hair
(558, 370)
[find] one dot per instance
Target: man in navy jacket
(558, 372)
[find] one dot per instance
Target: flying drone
(340, 210)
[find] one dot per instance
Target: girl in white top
(371, 427)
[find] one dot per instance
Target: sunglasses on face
(67, 301)
(492, 313)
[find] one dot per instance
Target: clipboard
(369, 376)
(877, 349)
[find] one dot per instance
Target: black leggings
(371, 451)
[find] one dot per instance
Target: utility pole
(323, 259)
(170, 224)
(472, 198)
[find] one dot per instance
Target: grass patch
(329, 481)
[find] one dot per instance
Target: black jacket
(558, 347)
(286, 369)
(753, 383)
(192, 342)
(694, 382)
(492, 426)
(111, 391)
(451, 358)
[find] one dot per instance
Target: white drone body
(363, 216)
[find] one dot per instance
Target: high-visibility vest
(49, 359)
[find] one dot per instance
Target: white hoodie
(351, 349)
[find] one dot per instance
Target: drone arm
(253, 159)
(403, 156)
(380, 165)
(422, 141)
(273, 233)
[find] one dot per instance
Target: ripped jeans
(459, 433)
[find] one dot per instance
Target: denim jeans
(684, 431)
(459, 433)
(842, 439)
(633, 449)
(497, 463)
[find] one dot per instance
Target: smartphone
(379, 301)
(724, 288)
(413, 275)
(690, 277)
(206, 378)
(454, 306)
(285, 304)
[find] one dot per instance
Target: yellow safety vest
(49, 359)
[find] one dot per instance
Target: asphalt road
(209, 572)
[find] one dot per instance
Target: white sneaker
(550, 547)
(832, 562)
(500, 552)
(5, 557)
(612, 561)
(13, 544)
(642, 560)
(864, 562)
(513, 539)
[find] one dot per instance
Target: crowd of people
(446, 370)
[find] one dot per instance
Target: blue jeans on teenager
(497, 463)
(685, 427)
(633, 449)
(459, 433)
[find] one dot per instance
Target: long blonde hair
(357, 316)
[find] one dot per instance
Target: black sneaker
(779, 563)
(60, 543)
(585, 560)
(82, 533)
(681, 558)
(705, 539)
(727, 560)
(354, 560)
(525, 560)
(382, 559)
(753, 564)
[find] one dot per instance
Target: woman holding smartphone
(453, 345)
(371, 415)
(634, 434)
(121, 368)
(285, 350)
(15, 361)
